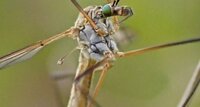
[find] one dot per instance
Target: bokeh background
(154, 79)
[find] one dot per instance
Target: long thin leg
(91, 69)
(191, 88)
(84, 14)
(137, 52)
(171, 44)
(100, 82)
(94, 26)
(101, 78)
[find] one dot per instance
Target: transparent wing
(29, 51)
(19, 55)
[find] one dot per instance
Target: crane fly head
(113, 9)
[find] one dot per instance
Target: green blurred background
(154, 79)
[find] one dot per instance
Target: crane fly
(93, 30)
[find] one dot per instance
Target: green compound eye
(106, 10)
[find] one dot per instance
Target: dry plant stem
(191, 88)
(80, 89)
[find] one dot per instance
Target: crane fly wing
(29, 51)
(19, 55)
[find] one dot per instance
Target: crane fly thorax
(97, 46)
